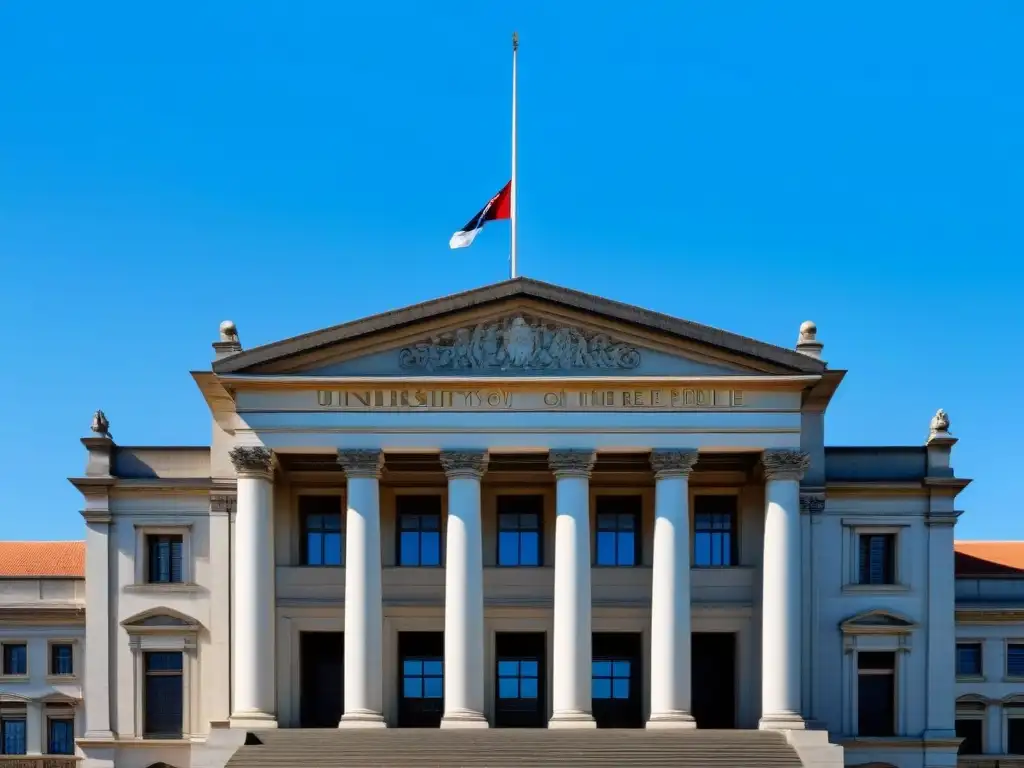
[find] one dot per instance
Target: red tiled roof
(989, 558)
(28, 559)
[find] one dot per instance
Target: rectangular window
(62, 660)
(12, 735)
(423, 678)
(714, 531)
(519, 530)
(611, 678)
(165, 551)
(323, 541)
(419, 530)
(163, 695)
(877, 558)
(968, 659)
(60, 738)
(518, 679)
(876, 693)
(1015, 660)
(15, 659)
(618, 531)
(1015, 734)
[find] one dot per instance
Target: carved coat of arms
(518, 344)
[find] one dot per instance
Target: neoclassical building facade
(521, 506)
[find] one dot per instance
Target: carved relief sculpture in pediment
(519, 343)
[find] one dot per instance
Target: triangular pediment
(877, 621)
(160, 619)
(520, 327)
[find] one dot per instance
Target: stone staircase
(513, 748)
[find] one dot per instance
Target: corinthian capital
(569, 463)
(362, 462)
(251, 459)
(464, 463)
(673, 462)
(785, 464)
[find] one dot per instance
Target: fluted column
(364, 610)
(253, 699)
(464, 593)
(670, 591)
(571, 660)
(780, 601)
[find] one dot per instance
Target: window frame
(979, 644)
(612, 677)
(539, 530)
(734, 530)
(1012, 710)
(853, 529)
(1010, 641)
(19, 715)
(441, 527)
(51, 674)
(149, 675)
(975, 710)
(637, 529)
(422, 676)
(891, 554)
(161, 527)
(303, 516)
(14, 676)
(893, 672)
(51, 717)
(868, 631)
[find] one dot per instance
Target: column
(464, 593)
(780, 601)
(571, 659)
(35, 739)
(670, 591)
(98, 658)
(364, 611)
(253, 684)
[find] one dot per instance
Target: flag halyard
(498, 207)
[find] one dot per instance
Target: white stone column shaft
(364, 610)
(35, 739)
(253, 655)
(96, 694)
(781, 603)
(670, 591)
(464, 593)
(571, 658)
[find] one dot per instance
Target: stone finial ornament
(940, 422)
(807, 342)
(228, 332)
(100, 424)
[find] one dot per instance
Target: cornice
(989, 615)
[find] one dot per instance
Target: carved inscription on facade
(496, 399)
(519, 343)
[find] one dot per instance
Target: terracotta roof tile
(989, 558)
(28, 559)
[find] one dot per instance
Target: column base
(676, 719)
(572, 719)
(782, 721)
(464, 718)
(362, 718)
(253, 721)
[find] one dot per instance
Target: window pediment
(161, 621)
(877, 622)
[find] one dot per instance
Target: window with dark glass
(165, 551)
(1015, 732)
(876, 693)
(60, 739)
(419, 530)
(12, 735)
(968, 659)
(62, 659)
(877, 558)
(714, 531)
(519, 530)
(1015, 660)
(323, 541)
(618, 531)
(15, 659)
(610, 679)
(423, 677)
(163, 695)
(518, 679)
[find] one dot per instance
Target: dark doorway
(519, 699)
(714, 679)
(420, 679)
(322, 673)
(616, 680)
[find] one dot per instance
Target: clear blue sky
(296, 165)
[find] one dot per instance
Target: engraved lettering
(702, 397)
(656, 398)
(324, 397)
(737, 398)
(638, 398)
(508, 399)
(494, 399)
(421, 397)
(362, 397)
(675, 398)
(551, 399)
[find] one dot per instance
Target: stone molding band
(671, 462)
(252, 460)
(362, 462)
(572, 462)
(784, 464)
(470, 464)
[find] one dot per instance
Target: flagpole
(513, 191)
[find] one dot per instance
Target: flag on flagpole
(498, 207)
